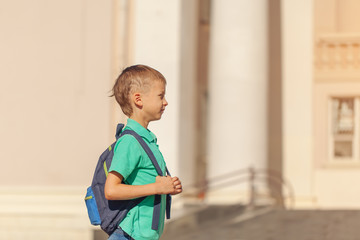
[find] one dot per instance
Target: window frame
(355, 159)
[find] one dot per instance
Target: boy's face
(154, 101)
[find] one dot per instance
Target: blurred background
(264, 103)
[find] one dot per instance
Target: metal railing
(278, 188)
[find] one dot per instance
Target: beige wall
(55, 77)
(297, 72)
(336, 16)
(55, 113)
(336, 74)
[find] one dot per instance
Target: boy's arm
(116, 190)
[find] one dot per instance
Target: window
(344, 129)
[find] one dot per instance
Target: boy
(140, 92)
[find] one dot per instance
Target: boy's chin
(160, 116)
(156, 118)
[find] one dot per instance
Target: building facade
(259, 92)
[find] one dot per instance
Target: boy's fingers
(178, 190)
(177, 183)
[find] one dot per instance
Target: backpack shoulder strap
(119, 128)
(157, 200)
(146, 148)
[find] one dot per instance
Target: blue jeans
(119, 234)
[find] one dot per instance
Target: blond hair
(134, 78)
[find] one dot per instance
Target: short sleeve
(127, 156)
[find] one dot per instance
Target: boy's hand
(177, 184)
(168, 185)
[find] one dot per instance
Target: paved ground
(237, 223)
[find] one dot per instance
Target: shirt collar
(139, 129)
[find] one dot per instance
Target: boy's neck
(140, 120)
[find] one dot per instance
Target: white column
(237, 86)
(156, 43)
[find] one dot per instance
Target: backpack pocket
(92, 208)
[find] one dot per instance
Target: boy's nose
(165, 102)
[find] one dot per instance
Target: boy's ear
(137, 99)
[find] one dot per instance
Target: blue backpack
(109, 213)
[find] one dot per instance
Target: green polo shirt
(132, 162)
